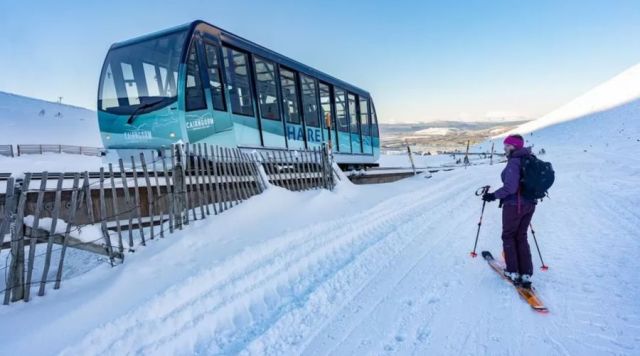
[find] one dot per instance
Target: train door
(344, 139)
(199, 122)
(328, 118)
(216, 98)
(293, 118)
(238, 75)
(354, 119)
(269, 104)
(311, 111)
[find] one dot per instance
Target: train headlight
(108, 137)
(172, 134)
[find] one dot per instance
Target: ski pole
(479, 192)
(544, 267)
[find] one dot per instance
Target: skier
(517, 212)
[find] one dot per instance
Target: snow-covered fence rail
(40, 149)
(6, 150)
(121, 207)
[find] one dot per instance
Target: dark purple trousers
(515, 223)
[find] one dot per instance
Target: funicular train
(197, 83)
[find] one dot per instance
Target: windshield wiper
(135, 112)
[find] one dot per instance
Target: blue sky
(421, 60)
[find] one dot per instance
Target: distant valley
(438, 136)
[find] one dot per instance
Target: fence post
(197, 174)
(169, 191)
(234, 170)
(9, 207)
(14, 290)
(413, 166)
(34, 229)
(150, 200)
(127, 198)
(217, 181)
(116, 213)
(212, 190)
(250, 178)
(277, 170)
(179, 205)
(226, 194)
(137, 201)
(254, 171)
(206, 196)
(52, 232)
(103, 218)
(70, 220)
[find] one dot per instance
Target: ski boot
(525, 281)
(513, 277)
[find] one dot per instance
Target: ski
(528, 294)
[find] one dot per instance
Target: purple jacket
(508, 193)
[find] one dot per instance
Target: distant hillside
(27, 120)
(440, 135)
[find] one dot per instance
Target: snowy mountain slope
(380, 269)
(619, 95)
(33, 121)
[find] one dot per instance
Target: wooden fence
(113, 211)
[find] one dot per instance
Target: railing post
(413, 166)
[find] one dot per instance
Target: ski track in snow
(366, 284)
(304, 259)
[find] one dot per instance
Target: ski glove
(488, 197)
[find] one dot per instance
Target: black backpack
(536, 177)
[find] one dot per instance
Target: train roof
(244, 44)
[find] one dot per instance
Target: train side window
(341, 110)
(309, 101)
(290, 95)
(353, 114)
(238, 81)
(325, 104)
(364, 117)
(267, 89)
(215, 78)
(194, 94)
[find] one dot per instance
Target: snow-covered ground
(33, 121)
(379, 269)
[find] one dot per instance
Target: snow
(50, 162)
(88, 233)
(33, 121)
(379, 269)
(436, 131)
(614, 93)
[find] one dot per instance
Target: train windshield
(142, 76)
